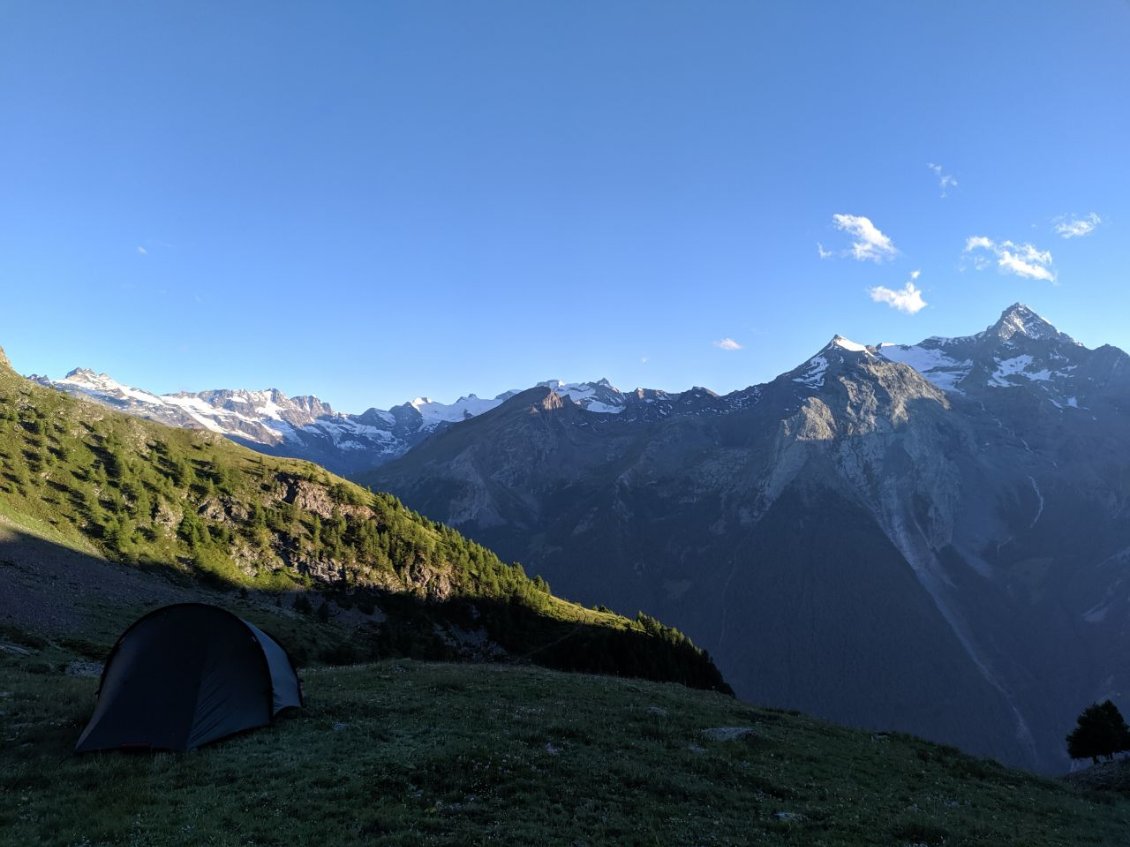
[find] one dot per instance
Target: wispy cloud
(1022, 260)
(142, 250)
(869, 244)
(727, 344)
(822, 253)
(945, 181)
(906, 299)
(1070, 226)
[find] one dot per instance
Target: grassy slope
(405, 753)
(142, 492)
(193, 504)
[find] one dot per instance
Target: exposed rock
(212, 509)
(166, 517)
(427, 581)
(312, 498)
(84, 669)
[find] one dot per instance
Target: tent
(186, 675)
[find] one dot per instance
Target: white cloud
(1074, 227)
(1020, 259)
(142, 250)
(945, 181)
(870, 244)
(906, 299)
(1028, 262)
(727, 344)
(822, 253)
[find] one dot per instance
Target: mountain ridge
(307, 428)
(994, 474)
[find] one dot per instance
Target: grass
(410, 753)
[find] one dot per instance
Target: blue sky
(372, 201)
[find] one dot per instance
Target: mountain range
(304, 427)
(929, 537)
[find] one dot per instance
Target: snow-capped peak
(848, 344)
(811, 374)
(1018, 319)
(85, 379)
(601, 397)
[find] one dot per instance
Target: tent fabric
(186, 675)
(284, 681)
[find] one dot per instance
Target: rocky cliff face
(934, 538)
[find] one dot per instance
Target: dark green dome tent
(186, 675)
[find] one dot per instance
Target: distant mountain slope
(193, 505)
(269, 421)
(943, 548)
(305, 427)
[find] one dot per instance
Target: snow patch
(270, 409)
(585, 394)
(104, 384)
(848, 344)
(435, 413)
(938, 368)
(813, 375)
(1007, 368)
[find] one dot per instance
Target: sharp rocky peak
(841, 344)
(556, 384)
(86, 378)
(82, 373)
(1018, 319)
(836, 355)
